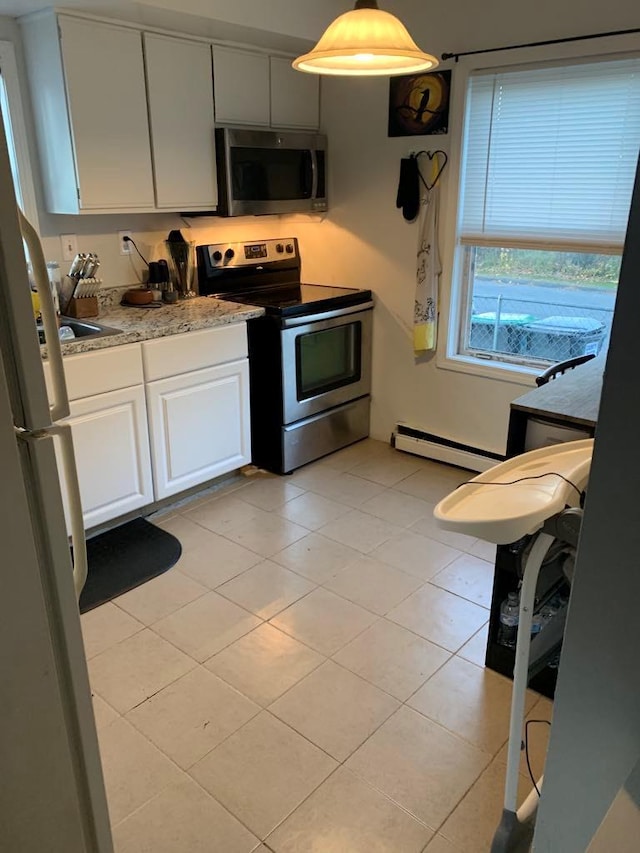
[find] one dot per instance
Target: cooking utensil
(89, 267)
(182, 261)
(77, 264)
(165, 278)
(154, 272)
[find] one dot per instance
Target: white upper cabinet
(261, 90)
(180, 95)
(295, 96)
(241, 84)
(88, 91)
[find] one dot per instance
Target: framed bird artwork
(419, 104)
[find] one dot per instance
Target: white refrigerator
(52, 795)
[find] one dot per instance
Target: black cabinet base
(501, 659)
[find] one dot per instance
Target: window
(15, 132)
(549, 158)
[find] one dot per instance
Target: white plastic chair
(535, 494)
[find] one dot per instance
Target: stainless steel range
(309, 356)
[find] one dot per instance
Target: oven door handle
(291, 322)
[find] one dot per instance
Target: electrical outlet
(69, 243)
(125, 247)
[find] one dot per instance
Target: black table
(568, 403)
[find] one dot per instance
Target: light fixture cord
(366, 4)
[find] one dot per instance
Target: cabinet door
(111, 445)
(295, 96)
(104, 75)
(199, 424)
(180, 95)
(241, 85)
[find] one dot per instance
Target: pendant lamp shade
(365, 42)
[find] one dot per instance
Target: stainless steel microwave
(270, 171)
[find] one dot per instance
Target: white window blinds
(550, 156)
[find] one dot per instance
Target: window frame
(11, 77)
(453, 281)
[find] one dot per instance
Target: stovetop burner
(267, 274)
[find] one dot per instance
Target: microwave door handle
(314, 174)
(309, 176)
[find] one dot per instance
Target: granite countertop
(143, 324)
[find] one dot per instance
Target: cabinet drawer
(193, 351)
(541, 433)
(91, 373)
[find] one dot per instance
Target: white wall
(368, 244)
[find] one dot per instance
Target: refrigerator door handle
(60, 406)
(78, 539)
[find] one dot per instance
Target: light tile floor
(309, 677)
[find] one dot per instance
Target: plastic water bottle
(537, 623)
(509, 617)
(55, 283)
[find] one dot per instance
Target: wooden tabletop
(573, 398)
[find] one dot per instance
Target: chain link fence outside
(529, 329)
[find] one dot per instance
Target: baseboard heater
(416, 441)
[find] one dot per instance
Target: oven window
(328, 359)
(265, 174)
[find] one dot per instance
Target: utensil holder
(81, 308)
(182, 265)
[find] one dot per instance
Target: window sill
(516, 374)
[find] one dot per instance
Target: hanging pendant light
(365, 42)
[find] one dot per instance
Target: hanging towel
(425, 321)
(408, 197)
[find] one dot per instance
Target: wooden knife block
(81, 308)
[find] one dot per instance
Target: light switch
(69, 243)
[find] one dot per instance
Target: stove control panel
(229, 255)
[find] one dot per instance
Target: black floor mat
(125, 557)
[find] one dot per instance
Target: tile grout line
(195, 782)
(268, 622)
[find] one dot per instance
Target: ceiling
(23, 7)
(300, 19)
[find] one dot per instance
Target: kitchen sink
(81, 329)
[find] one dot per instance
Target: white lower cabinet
(111, 445)
(199, 426)
(153, 419)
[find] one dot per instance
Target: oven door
(326, 360)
